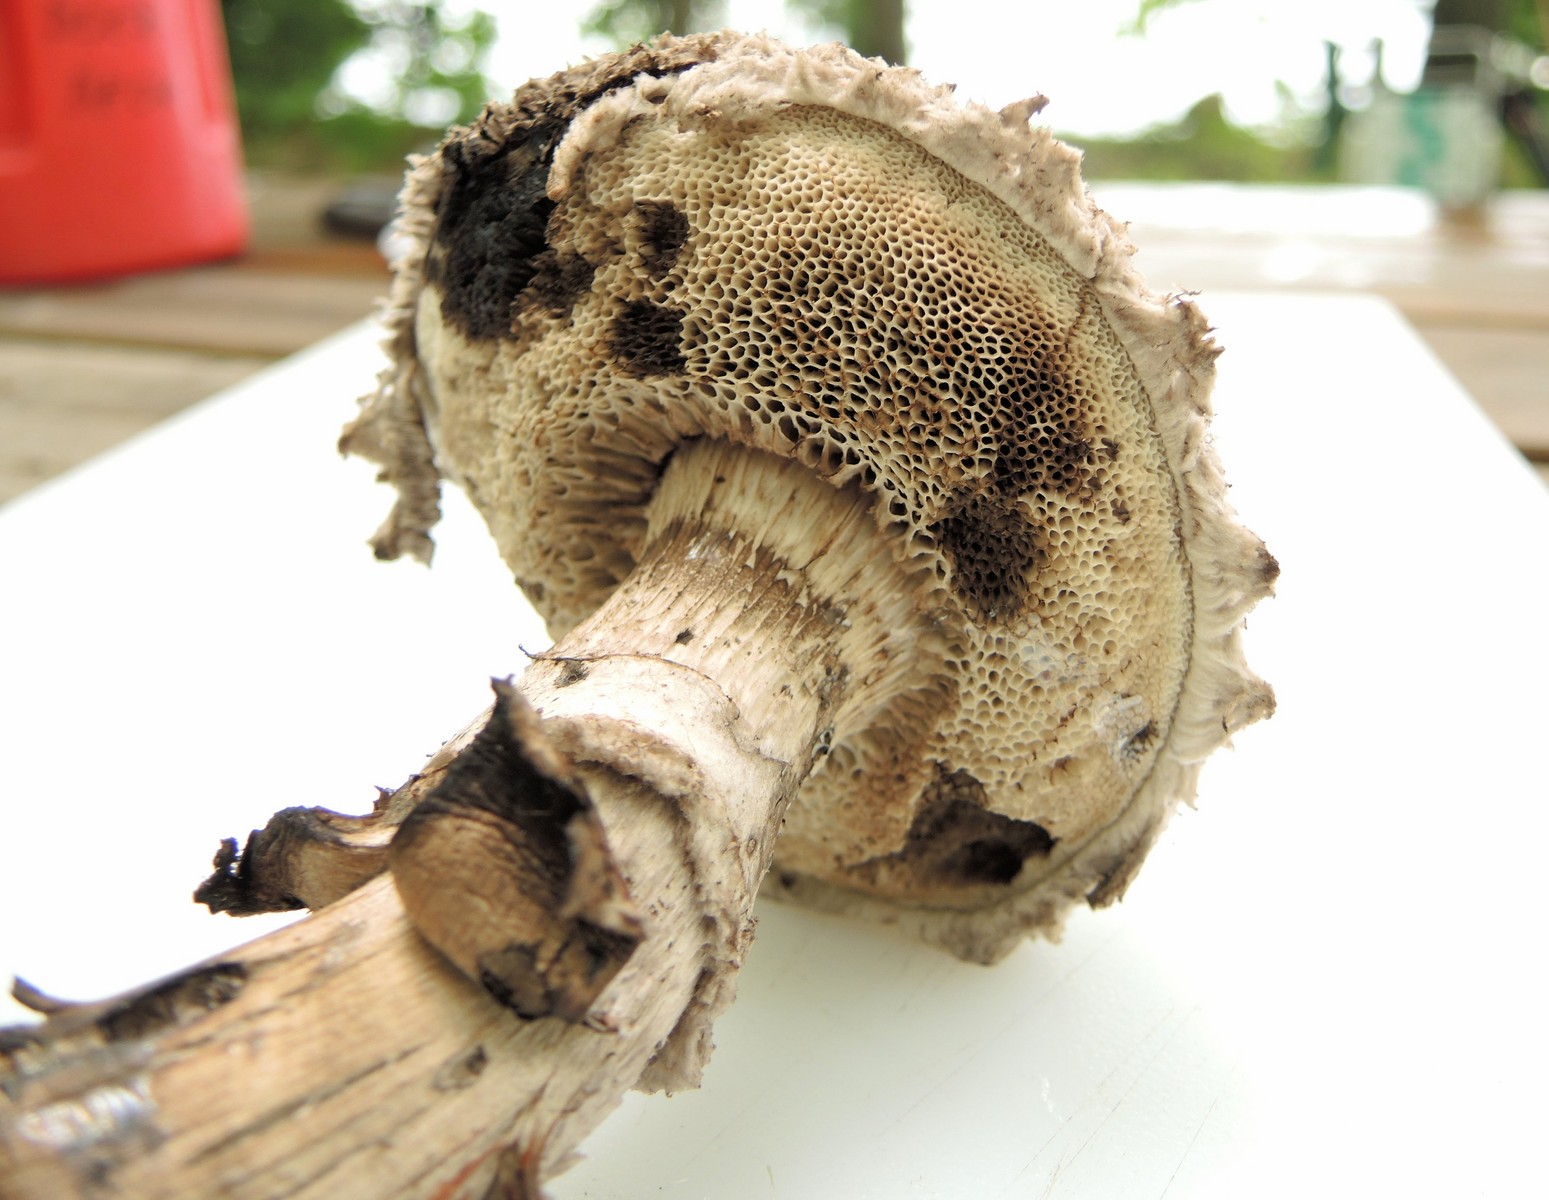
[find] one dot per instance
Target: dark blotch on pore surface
(993, 548)
(1042, 437)
(648, 339)
(988, 860)
(997, 857)
(559, 279)
(491, 228)
(1136, 745)
(1040, 429)
(955, 839)
(492, 215)
(665, 230)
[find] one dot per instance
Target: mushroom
(827, 424)
(867, 492)
(827, 281)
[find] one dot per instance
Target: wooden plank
(1505, 300)
(297, 283)
(227, 308)
(1201, 237)
(1507, 372)
(61, 404)
(1480, 296)
(290, 231)
(1490, 289)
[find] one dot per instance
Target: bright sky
(1098, 82)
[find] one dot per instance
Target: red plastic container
(118, 138)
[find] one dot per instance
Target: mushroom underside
(722, 240)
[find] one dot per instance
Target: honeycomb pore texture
(711, 252)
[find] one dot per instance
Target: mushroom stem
(764, 607)
(681, 717)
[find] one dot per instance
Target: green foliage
(874, 27)
(283, 55)
(1202, 145)
(286, 60)
(1137, 25)
(625, 22)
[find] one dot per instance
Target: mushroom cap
(815, 255)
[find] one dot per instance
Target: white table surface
(1328, 981)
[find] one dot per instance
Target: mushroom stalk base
(345, 1055)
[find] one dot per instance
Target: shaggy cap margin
(1166, 338)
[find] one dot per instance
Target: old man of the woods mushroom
(859, 394)
(867, 492)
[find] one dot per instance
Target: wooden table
(1327, 981)
(86, 366)
(82, 368)
(1478, 294)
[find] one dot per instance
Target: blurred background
(1258, 90)
(1394, 146)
